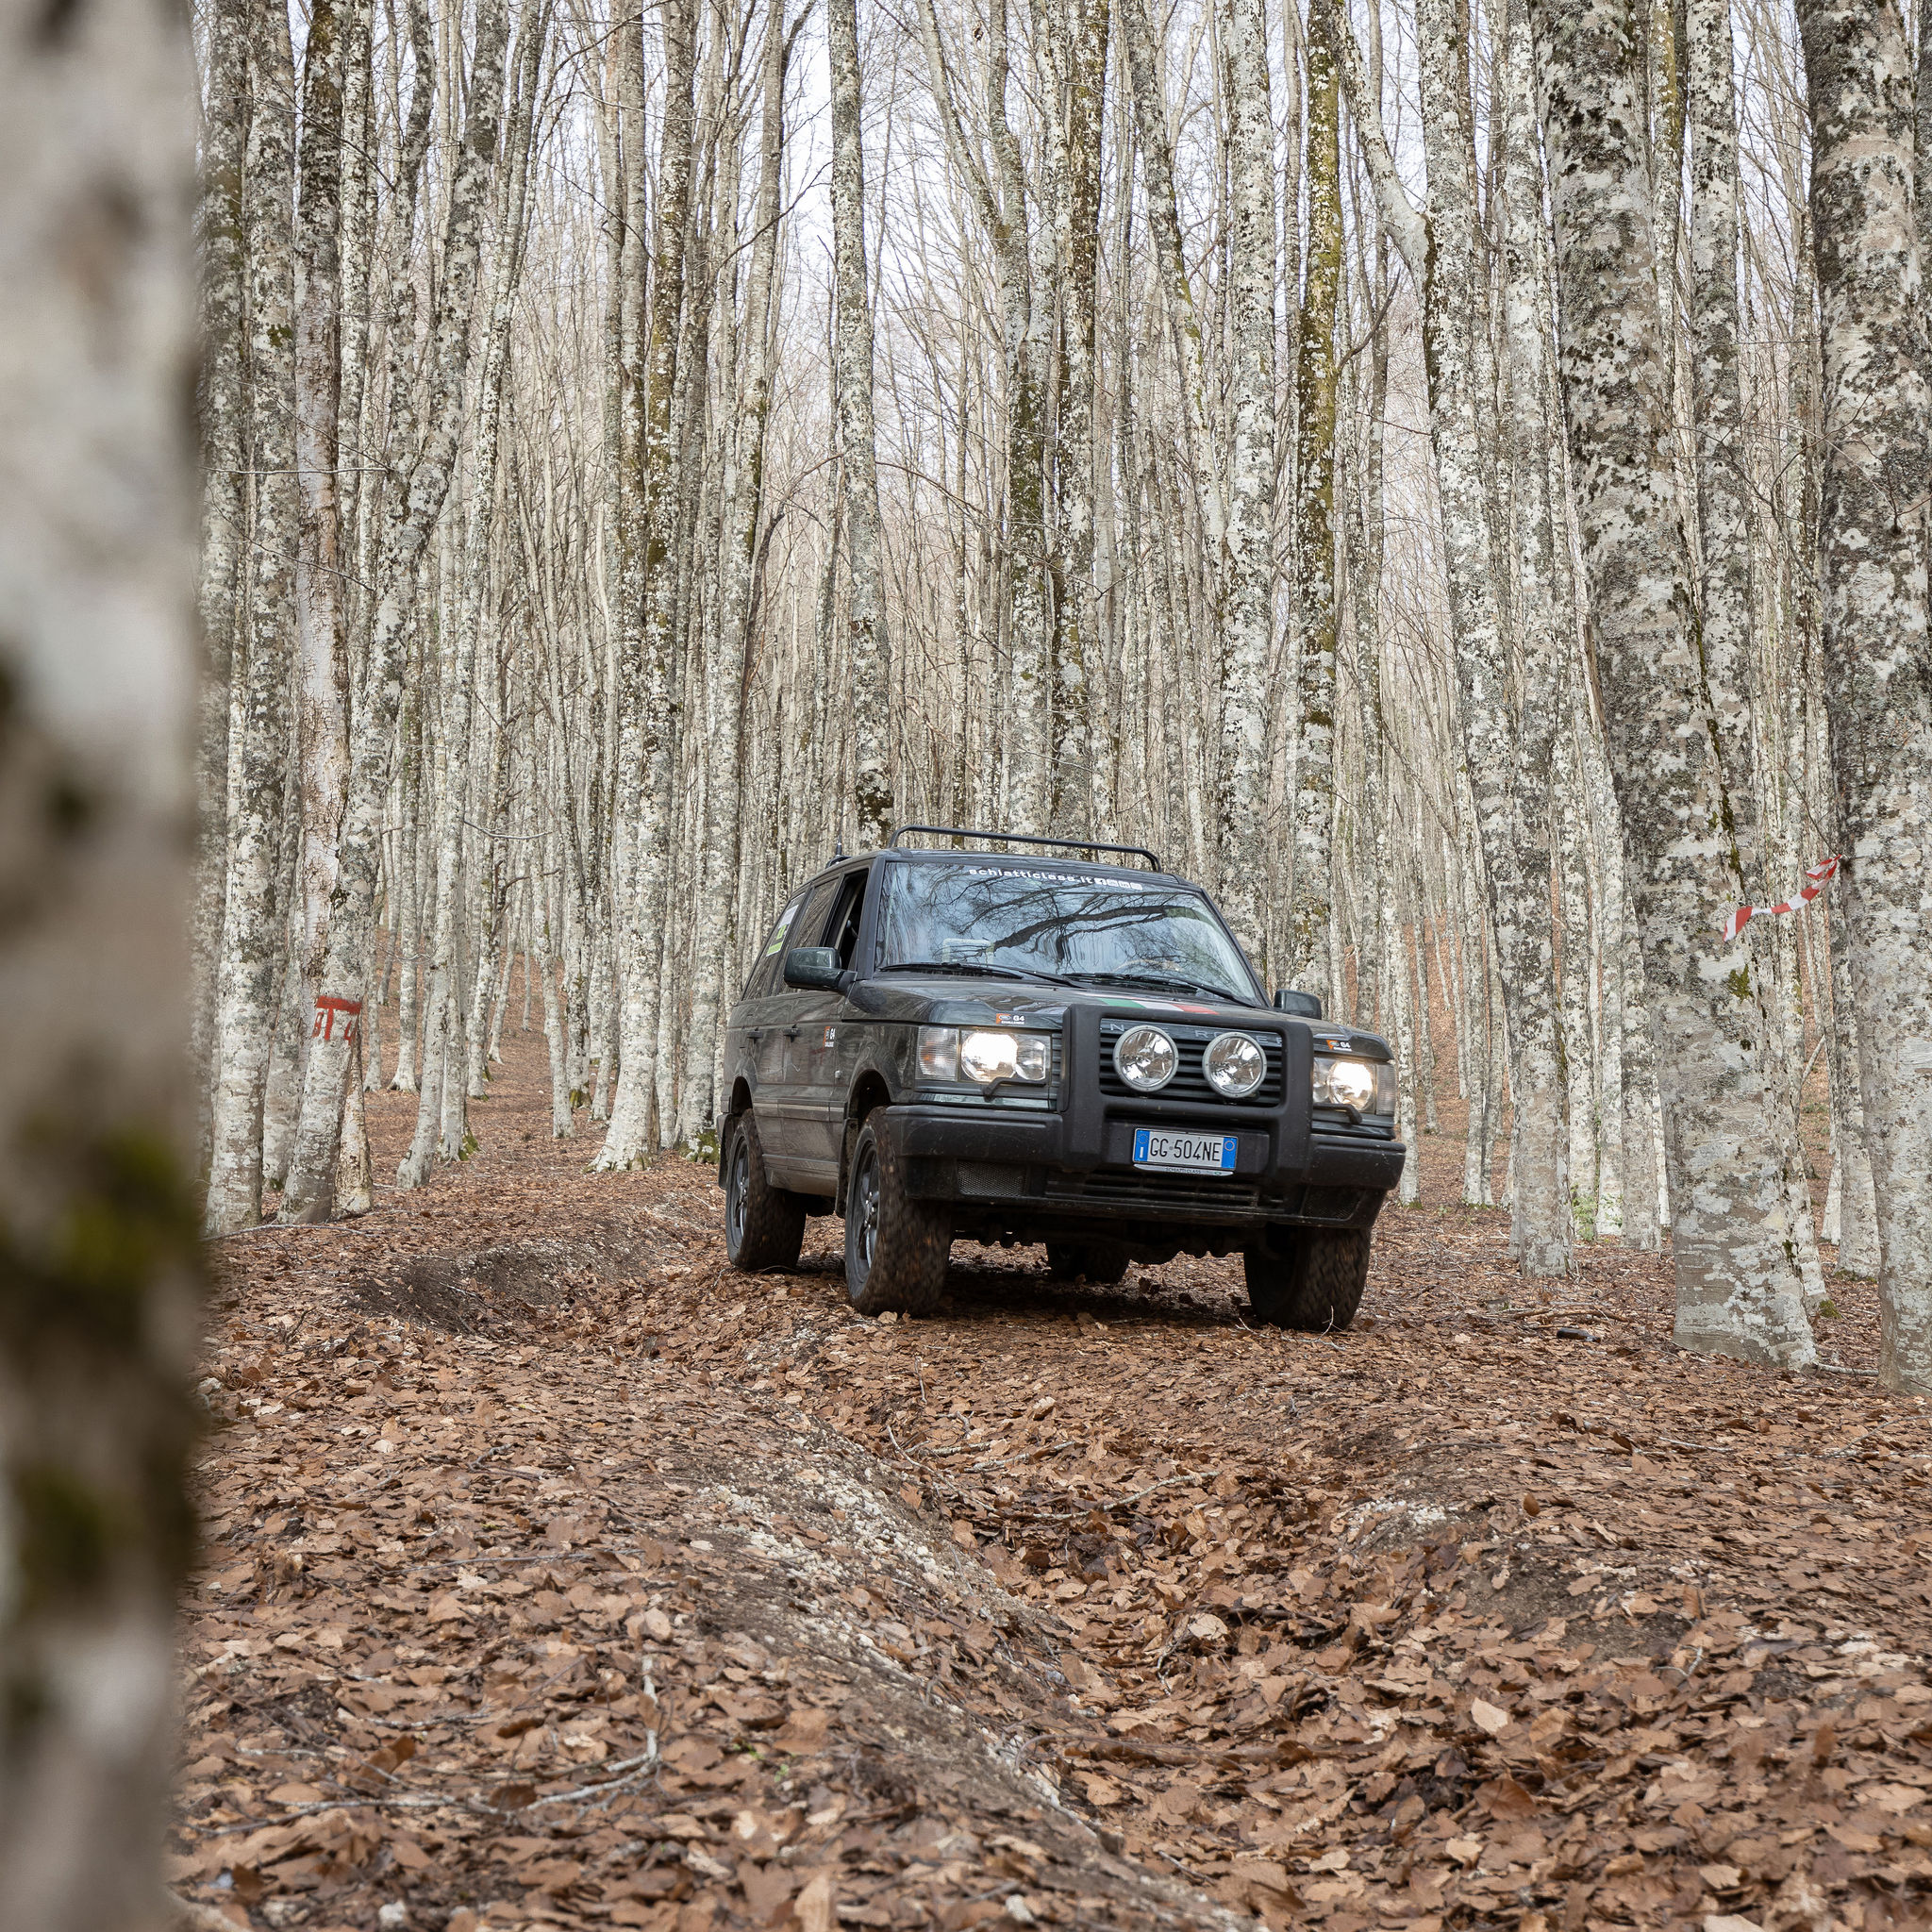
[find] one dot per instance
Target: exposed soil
(556, 1576)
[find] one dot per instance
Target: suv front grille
(1156, 1192)
(1190, 1083)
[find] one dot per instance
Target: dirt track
(557, 1576)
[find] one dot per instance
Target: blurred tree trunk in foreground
(97, 1237)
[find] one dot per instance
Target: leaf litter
(557, 1576)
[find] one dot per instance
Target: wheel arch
(869, 1093)
(741, 1104)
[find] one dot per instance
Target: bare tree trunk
(322, 712)
(1164, 222)
(443, 1119)
(1541, 1221)
(1307, 961)
(1739, 1291)
(742, 487)
(98, 1264)
(645, 758)
(224, 400)
(1074, 35)
(1726, 598)
(870, 645)
(408, 516)
(249, 1000)
(1875, 537)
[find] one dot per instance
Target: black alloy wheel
(764, 1227)
(896, 1247)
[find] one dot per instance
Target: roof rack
(1023, 839)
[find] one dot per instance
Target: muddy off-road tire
(1103, 1263)
(764, 1227)
(896, 1248)
(1307, 1277)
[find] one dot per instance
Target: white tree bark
(442, 1114)
(98, 1262)
(224, 402)
(743, 487)
(644, 757)
(409, 513)
(1739, 1291)
(322, 710)
(249, 990)
(1307, 964)
(1874, 536)
(868, 643)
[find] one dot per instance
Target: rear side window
(764, 972)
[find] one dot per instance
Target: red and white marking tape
(1814, 884)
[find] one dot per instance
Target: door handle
(754, 1033)
(791, 1033)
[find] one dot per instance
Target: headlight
(1367, 1086)
(989, 1057)
(983, 1055)
(1235, 1064)
(1146, 1057)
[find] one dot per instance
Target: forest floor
(556, 1576)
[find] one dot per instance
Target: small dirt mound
(466, 1294)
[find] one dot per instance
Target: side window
(842, 936)
(764, 972)
(810, 929)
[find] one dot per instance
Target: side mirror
(1305, 1005)
(813, 968)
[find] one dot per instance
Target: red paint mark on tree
(329, 1011)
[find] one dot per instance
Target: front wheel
(1307, 1277)
(896, 1247)
(764, 1227)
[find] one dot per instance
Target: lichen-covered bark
(1876, 529)
(98, 1255)
(249, 984)
(742, 490)
(869, 645)
(1317, 604)
(322, 710)
(1075, 38)
(1727, 599)
(409, 512)
(444, 1129)
(1739, 1292)
(1541, 1219)
(1501, 735)
(225, 498)
(650, 585)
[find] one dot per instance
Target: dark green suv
(947, 1044)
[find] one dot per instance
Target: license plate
(1183, 1153)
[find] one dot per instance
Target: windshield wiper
(976, 972)
(1168, 980)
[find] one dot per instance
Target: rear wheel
(764, 1227)
(896, 1247)
(1307, 1277)
(1103, 1263)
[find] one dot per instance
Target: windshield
(1061, 925)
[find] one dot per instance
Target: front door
(828, 1040)
(783, 1105)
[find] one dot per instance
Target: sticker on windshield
(1051, 879)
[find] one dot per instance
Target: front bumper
(1076, 1166)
